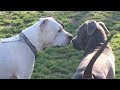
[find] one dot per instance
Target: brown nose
(70, 37)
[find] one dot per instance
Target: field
(61, 63)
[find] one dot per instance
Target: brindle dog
(90, 37)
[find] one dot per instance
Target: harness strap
(88, 71)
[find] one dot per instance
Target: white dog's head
(53, 33)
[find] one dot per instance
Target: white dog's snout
(70, 37)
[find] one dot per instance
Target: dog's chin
(44, 48)
(61, 45)
(57, 46)
(76, 47)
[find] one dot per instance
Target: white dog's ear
(91, 26)
(104, 27)
(43, 24)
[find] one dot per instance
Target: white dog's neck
(33, 35)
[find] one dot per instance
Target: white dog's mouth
(59, 46)
(62, 45)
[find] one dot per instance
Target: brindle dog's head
(89, 32)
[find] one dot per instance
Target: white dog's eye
(59, 31)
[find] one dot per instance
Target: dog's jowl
(90, 37)
(17, 53)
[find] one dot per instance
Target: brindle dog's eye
(59, 31)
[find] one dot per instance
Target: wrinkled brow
(55, 19)
(59, 22)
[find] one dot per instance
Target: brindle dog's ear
(43, 24)
(91, 26)
(104, 27)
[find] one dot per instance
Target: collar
(32, 47)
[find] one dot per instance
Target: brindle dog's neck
(94, 41)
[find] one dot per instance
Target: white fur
(17, 59)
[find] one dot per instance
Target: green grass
(60, 63)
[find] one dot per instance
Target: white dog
(17, 54)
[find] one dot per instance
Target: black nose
(70, 37)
